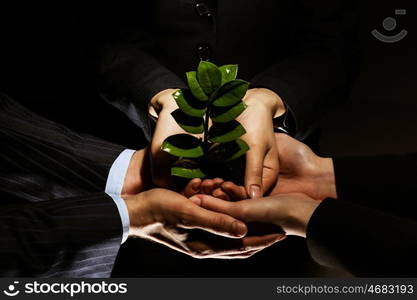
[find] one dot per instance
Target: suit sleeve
(129, 74)
(73, 237)
(386, 182)
(41, 160)
(321, 66)
(363, 241)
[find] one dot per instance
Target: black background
(44, 64)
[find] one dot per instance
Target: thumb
(195, 216)
(192, 187)
(271, 169)
(253, 172)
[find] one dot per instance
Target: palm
(298, 173)
(166, 126)
(166, 217)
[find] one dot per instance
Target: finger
(235, 209)
(196, 200)
(219, 193)
(249, 253)
(194, 216)
(218, 182)
(250, 210)
(235, 192)
(238, 256)
(168, 238)
(253, 172)
(233, 247)
(270, 179)
(255, 242)
(270, 169)
(207, 186)
(192, 188)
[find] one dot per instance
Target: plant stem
(206, 125)
(206, 121)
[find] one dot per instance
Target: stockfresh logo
(65, 288)
(12, 289)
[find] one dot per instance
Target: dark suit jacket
(55, 219)
(302, 50)
(371, 230)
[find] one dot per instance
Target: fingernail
(196, 200)
(195, 188)
(255, 191)
(239, 228)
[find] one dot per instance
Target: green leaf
(187, 173)
(229, 73)
(187, 168)
(188, 123)
(225, 132)
(189, 104)
(243, 148)
(183, 145)
(195, 86)
(227, 151)
(231, 93)
(209, 77)
(226, 114)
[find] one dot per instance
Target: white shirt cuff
(114, 186)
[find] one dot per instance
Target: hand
(163, 104)
(302, 171)
(137, 175)
(160, 215)
(291, 212)
(206, 186)
(137, 179)
(262, 165)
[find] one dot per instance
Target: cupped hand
(302, 171)
(162, 215)
(262, 165)
(138, 173)
(291, 212)
(206, 186)
(162, 105)
(138, 178)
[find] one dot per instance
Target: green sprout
(214, 94)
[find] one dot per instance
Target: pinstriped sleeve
(42, 160)
(73, 237)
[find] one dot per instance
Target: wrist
(326, 177)
(299, 215)
(267, 98)
(135, 207)
(132, 183)
(162, 100)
